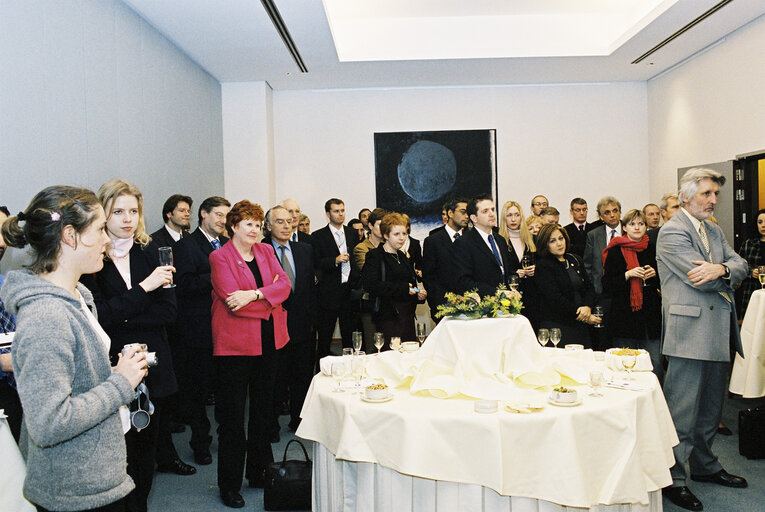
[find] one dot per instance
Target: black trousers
(296, 361)
(166, 452)
(9, 400)
(235, 377)
(117, 506)
(327, 316)
(194, 371)
(141, 454)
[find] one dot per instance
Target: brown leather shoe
(682, 497)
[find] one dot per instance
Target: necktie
(705, 242)
(457, 235)
(294, 236)
(613, 234)
(287, 266)
(581, 227)
(495, 251)
(215, 243)
(345, 267)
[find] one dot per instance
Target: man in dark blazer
(698, 271)
(194, 289)
(176, 215)
(609, 211)
(296, 359)
(577, 230)
(332, 246)
(481, 259)
(294, 209)
(438, 260)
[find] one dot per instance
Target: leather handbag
(751, 433)
(288, 483)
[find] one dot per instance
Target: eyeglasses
(540, 204)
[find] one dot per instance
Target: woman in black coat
(389, 275)
(634, 319)
(565, 292)
(133, 307)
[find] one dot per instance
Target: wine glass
(597, 312)
(628, 362)
(357, 371)
(395, 343)
(543, 336)
(527, 261)
(761, 276)
(514, 280)
(555, 335)
(421, 332)
(166, 259)
(339, 371)
(357, 339)
(347, 352)
(379, 341)
(596, 379)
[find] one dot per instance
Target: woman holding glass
(72, 433)
(565, 292)
(512, 226)
(388, 275)
(248, 326)
(133, 307)
(630, 279)
(753, 251)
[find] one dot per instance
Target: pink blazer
(238, 333)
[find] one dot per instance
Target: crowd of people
(250, 301)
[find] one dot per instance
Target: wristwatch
(727, 271)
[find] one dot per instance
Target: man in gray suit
(698, 270)
(610, 212)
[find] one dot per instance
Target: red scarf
(630, 248)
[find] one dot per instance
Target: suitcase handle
(284, 458)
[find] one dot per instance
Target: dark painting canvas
(417, 172)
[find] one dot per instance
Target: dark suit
(301, 237)
(134, 316)
(578, 238)
(333, 294)
(296, 359)
(163, 239)
(194, 366)
(438, 268)
(415, 253)
(475, 264)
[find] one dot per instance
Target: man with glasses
(538, 204)
(577, 230)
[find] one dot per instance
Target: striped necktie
(705, 242)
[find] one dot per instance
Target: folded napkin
(325, 364)
(628, 385)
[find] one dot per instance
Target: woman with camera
(133, 307)
(72, 434)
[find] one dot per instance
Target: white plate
(377, 400)
(564, 404)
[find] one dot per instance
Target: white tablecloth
(610, 450)
(12, 473)
(748, 377)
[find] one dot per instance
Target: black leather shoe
(203, 457)
(724, 431)
(178, 467)
(722, 477)
(682, 497)
(232, 499)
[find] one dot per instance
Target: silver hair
(606, 201)
(268, 213)
(689, 183)
(664, 203)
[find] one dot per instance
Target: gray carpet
(199, 493)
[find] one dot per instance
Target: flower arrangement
(504, 302)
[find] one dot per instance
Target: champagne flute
(526, 262)
(628, 362)
(421, 333)
(339, 371)
(543, 336)
(596, 379)
(761, 276)
(357, 339)
(166, 259)
(555, 336)
(379, 341)
(357, 371)
(514, 280)
(597, 312)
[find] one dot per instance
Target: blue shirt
(287, 252)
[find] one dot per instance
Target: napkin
(325, 363)
(624, 384)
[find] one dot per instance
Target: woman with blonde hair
(133, 307)
(534, 223)
(513, 227)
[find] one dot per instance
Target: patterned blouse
(753, 251)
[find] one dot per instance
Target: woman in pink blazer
(248, 325)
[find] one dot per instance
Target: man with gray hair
(294, 210)
(668, 207)
(609, 210)
(698, 271)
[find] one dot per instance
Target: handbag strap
(284, 458)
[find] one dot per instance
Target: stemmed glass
(357, 369)
(527, 261)
(421, 332)
(628, 362)
(514, 281)
(543, 335)
(555, 336)
(596, 379)
(339, 371)
(347, 352)
(166, 260)
(761, 276)
(357, 339)
(395, 343)
(597, 312)
(379, 341)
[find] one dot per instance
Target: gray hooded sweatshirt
(71, 434)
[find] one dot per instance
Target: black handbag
(751, 433)
(288, 483)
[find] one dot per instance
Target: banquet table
(12, 473)
(419, 452)
(748, 376)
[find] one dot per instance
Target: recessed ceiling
(235, 40)
(449, 29)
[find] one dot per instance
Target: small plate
(377, 400)
(564, 404)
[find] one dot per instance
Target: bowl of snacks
(377, 391)
(564, 395)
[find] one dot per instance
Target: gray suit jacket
(593, 257)
(697, 322)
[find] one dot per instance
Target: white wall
(88, 92)
(710, 109)
(562, 141)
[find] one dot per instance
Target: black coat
(620, 319)
(134, 316)
(329, 275)
(194, 290)
(475, 265)
(394, 288)
(557, 294)
(301, 303)
(578, 238)
(415, 253)
(162, 238)
(438, 267)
